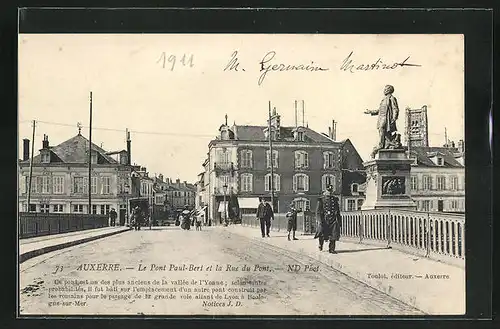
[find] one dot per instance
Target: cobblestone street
(216, 263)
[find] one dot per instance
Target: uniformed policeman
(329, 220)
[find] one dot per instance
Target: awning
(222, 206)
(248, 203)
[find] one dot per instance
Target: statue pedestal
(388, 181)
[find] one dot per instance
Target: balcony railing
(435, 235)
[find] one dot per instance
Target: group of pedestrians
(327, 217)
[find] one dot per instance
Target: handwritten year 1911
(185, 60)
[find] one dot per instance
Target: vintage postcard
(241, 174)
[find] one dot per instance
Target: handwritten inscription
(348, 65)
(266, 66)
(185, 60)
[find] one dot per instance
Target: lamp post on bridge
(224, 187)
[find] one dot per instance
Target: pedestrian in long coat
(328, 219)
(292, 220)
(186, 219)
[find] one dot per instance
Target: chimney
(334, 130)
(45, 142)
(178, 182)
(160, 177)
(129, 155)
(461, 146)
(26, 149)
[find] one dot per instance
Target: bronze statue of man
(388, 113)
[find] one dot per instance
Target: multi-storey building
(179, 194)
(303, 163)
(60, 179)
(438, 173)
(438, 178)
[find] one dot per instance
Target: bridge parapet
(435, 235)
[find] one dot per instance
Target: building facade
(438, 178)
(303, 163)
(60, 179)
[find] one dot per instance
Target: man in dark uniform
(292, 220)
(265, 214)
(329, 220)
(112, 217)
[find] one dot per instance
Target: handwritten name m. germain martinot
(268, 64)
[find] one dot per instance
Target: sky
(173, 108)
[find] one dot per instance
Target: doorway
(440, 205)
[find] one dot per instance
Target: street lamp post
(225, 204)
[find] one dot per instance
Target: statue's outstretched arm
(372, 112)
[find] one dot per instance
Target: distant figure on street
(265, 214)
(186, 219)
(112, 217)
(197, 220)
(328, 219)
(136, 218)
(292, 220)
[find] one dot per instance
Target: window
(454, 183)
(58, 208)
(354, 188)
(299, 136)
(93, 158)
(414, 183)
(427, 182)
(224, 180)
(351, 205)
(300, 182)
(328, 160)
(105, 209)
(360, 203)
(94, 209)
(454, 204)
(275, 159)
(45, 157)
(223, 156)
(441, 183)
(80, 185)
(301, 159)
(327, 180)
(439, 161)
(44, 208)
(276, 182)
(58, 184)
(426, 205)
(246, 159)
(93, 186)
(43, 184)
(78, 208)
(106, 182)
(246, 182)
(302, 204)
(32, 207)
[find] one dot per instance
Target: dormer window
(354, 188)
(440, 161)
(300, 136)
(45, 157)
(93, 158)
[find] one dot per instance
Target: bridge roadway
(321, 290)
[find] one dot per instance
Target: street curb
(379, 285)
(34, 253)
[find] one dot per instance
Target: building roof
(256, 133)
(425, 153)
(350, 177)
(74, 150)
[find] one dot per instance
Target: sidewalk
(32, 247)
(369, 264)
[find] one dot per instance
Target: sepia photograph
(241, 174)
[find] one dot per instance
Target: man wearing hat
(265, 214)
(292, 220)
(387, 112)
(328, 219)
(112, 217)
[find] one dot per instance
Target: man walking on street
(292, 220)
(265, 214)
(329, 220)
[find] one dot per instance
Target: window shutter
(323, 182)
(297, 159)
(277, 159)
(250, 180)
(306, 160)
(332, 181)
(268, 159)
(277, 180)
(22, 184)
(295, 182)
(306, 182)
(325, 160)
(250, 156)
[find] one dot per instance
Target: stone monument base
(388, 181)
